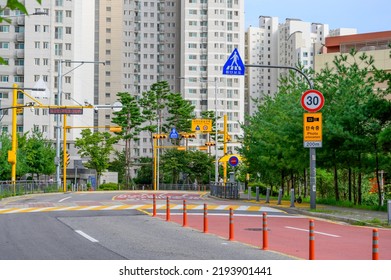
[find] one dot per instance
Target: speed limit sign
(312, 100)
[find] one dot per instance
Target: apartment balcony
(20, 20)
(20, 54)
(19, 37)
(19, 70)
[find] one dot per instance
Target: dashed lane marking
(137, 207)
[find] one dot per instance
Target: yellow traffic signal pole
(64, 157)
(154, 164)
(12, 153)
(225, 140)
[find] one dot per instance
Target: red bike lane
(290, 235)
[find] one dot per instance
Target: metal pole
(64, 155)
(312, 178)
(312, 150)
(216, 135)
(58, 134)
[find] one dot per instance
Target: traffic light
(188, 135)
(159, 136)
(67, 158)
(210, 144)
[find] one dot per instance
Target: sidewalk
(343, 214)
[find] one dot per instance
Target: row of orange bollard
(265, 239)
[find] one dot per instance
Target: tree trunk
(350, 184)
(379, 190)
(336, 189)
(359, 183)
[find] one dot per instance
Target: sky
(364, 15)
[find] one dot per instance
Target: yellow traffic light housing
(159, 136)
(210, 144)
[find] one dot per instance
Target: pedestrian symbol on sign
(234, 65)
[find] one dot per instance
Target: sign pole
(312, 178)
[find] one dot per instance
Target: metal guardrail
(7, 188)
(229, 190)
(183, 187)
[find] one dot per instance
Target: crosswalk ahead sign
(234, 65)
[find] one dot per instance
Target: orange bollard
(265, 238)
(231, 224)
(375, 244)
(168, 209)
(154, 206)
(205, 218)
(184, 214)
(312, 241)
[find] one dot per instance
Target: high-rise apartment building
(140, 42)
(183, 42)
(291, 43)
(57, 34)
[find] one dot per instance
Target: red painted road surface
(290, 235)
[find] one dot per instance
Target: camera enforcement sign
(312, 130)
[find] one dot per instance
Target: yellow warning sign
(312, 130)
(201, 125)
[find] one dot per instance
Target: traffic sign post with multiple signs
(312, 101)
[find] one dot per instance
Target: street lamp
(58, 103)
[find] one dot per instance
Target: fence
(7, 188)
(183, 187)
(229, 190)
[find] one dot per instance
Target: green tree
(40, 155)
(130, 120)
(97, 147)
(119, 165)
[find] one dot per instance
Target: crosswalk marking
(137, 207)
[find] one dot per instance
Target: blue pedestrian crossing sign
(174, 134)
(234, 65)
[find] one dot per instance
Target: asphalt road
(112, 235)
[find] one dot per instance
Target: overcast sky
(365, 15)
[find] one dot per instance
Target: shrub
(108, 187)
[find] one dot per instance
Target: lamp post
(58, 103)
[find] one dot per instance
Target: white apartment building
(33, 47)
(184, 42)
(291, 43)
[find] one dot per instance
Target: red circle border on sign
(321, 100)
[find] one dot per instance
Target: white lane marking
(85, 235)
(65, 198)
(318, 232)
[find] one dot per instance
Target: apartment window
(46, 28)
(68, 79)
(45, 45)
(4, 28)
(19, 79)
(37, 28)
(45, 78)
(68, 13)
(58, 49)
(19, 29)
(36, 78)
(44, 128)
(68, 30)
(68, 46)
(59, 3)
(4, 45)
(19, 62)
(59, 16)
(37, 45)
(58, 32)
(4, 95)
(19, 46)
(37, 61)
